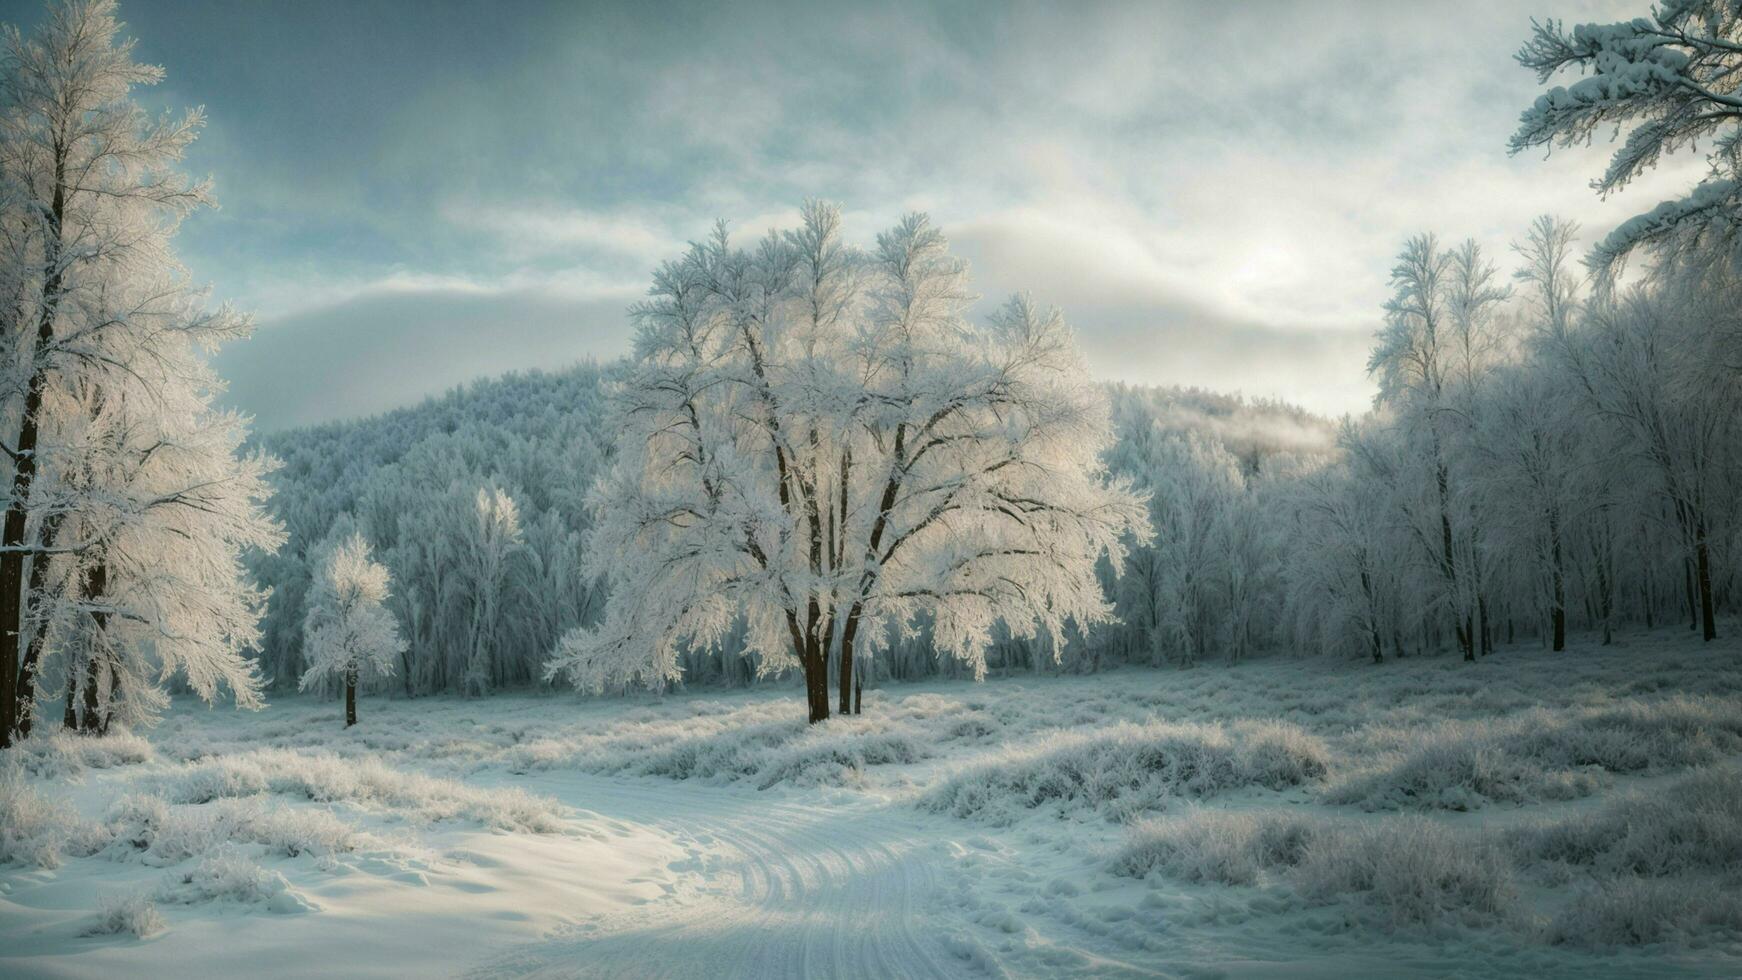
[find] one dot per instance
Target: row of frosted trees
(1539, 461)
(472, 502)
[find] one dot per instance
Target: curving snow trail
(769, 889)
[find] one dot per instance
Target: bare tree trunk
(69, 719)
(95, 585)
(24, 462)
(1688, 587)
(848, 634)
(93, 677)
(1558, 614)
(38, 630)
(1703, 575)
(350, 698)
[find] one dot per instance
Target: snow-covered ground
(1536, 813)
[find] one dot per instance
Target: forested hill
(411, 479)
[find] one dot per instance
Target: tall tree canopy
(815, 441)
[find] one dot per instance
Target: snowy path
(770, 889)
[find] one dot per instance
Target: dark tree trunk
(69, 720)
(812, 660)
(93, 711)
(1703, 575)
(38, 632)
(859, 695)
(816, 683)
(96, 586)
(1558, 615)
(846, 678)
(350, 698)
(24, 464)
(1693, 603)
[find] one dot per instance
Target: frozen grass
(1242, 782)
(1692, 826)
(1125, 769)
(1649, 867)
(134, 914)
(151, 830)
(33, 829)
(1216, 847)
(1640, 911)
(64, 756)
(1409, 869)
(366, 782)
(766, 743)
(1542, 754)
(230, 876)
(1412, 869)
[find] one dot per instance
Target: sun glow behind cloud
(1214, 196)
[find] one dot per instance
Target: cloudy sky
(416, 194)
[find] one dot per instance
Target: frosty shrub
(1638, 911)
(1542, 754)
(32, 828)
(230, 876)
(1695, 825)
(148, 829)
(1124, 769)
(62, 756)
(1409, 869)
(836, 751)
(126, 913)
(1216, 846)
(366, 782)
(764, 743)
(218, 777)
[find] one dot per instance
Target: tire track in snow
(770, 888)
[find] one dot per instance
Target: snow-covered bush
(1637, 911)
(1543, 754)
(1411, 868)
(218, 777)
(132, 913)
(839, 750)
(1694, 825)
(367, 781)
(149, 829)
(60, 755)
(1231, 848)
(1124, 769)
(33, 829)
(1408, 868)
(230, 876)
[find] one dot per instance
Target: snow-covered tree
(815, 442)
(349, 633)
(497, 539)
(1670, 78)
(130, 507)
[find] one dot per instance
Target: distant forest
(410, 480)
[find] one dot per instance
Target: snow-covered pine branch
(1672, 77)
